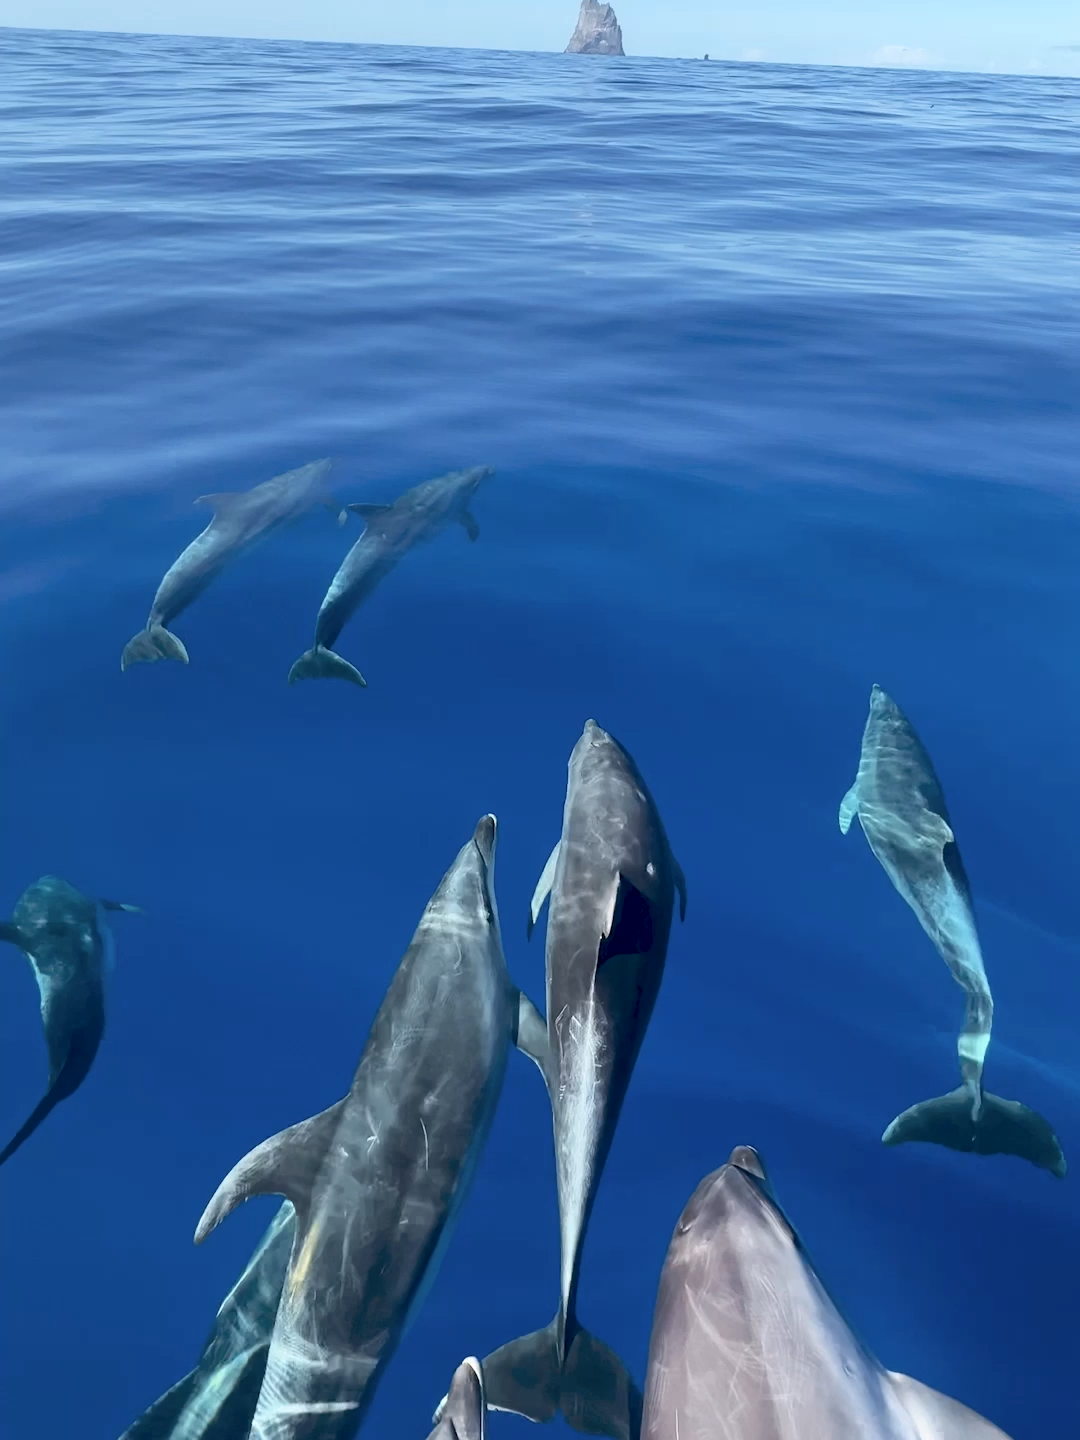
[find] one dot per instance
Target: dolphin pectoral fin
(45, 1106)
(1001, 1127)
(530, 1034)
(10, 932)
(222, 502)
(286, 1164)
(628, 928)
(368, 513)
(543, 889)
(935, 832)
(119, 905)
(680, 886)
(472, 525)
(319, 663)
(159, 1422)
(153, 643)
(848, 808)
(936, 1415)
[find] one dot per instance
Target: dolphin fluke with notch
(322, 663)
(988, 1126)
(153, 643)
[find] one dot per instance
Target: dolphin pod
(390, 530)
(901, 808)
(378, 1179)
(63, 935)
(240, 521)
(747, 1345)
(217, 1399)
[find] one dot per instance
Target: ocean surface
(778, 369)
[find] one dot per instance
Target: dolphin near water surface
(64, 936)
(378, 1180)
(901, 808)
(217, 1399)
(390, 531)
(747, 1345)
(612, 880)
(241, 520)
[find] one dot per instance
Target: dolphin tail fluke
(44, 1107)
(590, 1385)
(1000, 1127)
(153, 643)
(319, 663)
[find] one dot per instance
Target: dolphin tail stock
(1000, 1127)
(153, 643)
(536, 1377)
(319, 663)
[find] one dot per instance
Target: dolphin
(747, 1345)
(612, 880)
(216, 1400)
(241, 519)
(901, 808)
(390, 530)
(464, 1415)
(64, 936)
(378, 1180)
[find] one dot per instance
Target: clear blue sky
(1011, 35)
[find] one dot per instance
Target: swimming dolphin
(464, 1415)
(901, 808)
(747, 1345)
(379, 1178)
(64, 936)
(241, 519)
(390, 530)
(612, 880)
(216, 1400)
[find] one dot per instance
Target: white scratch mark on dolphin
(427, 1152)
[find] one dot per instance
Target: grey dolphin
(464, 1413)
(241, 520)
(64, 936)
(612, 880)
(378, 1179)
(216, 1400)
(747, 1345)
(901, 808)
(391, 530)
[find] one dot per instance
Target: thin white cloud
(752, 55)
(903, 55)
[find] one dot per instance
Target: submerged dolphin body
(612, 880)
(64, 936)
(747, 1345)
(216, 1400)
(901, 808)
(391, 530)
(241, 520)
(464, 1414)
(379, 1178)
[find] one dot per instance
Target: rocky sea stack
(597, 32)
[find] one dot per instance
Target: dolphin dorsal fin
(543, 888)
(849, 808)
(286, 1164)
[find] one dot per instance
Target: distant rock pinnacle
(597, 32)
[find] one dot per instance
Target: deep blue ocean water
(778, 368)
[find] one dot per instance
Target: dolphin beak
(485, 837)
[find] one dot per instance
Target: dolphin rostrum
(612, 880)
(747, 1345)
(64, 936)
(216, 1400)
(390, 530)
(241, 520)
(379, 1178)
(464, 1412)
(901, 808)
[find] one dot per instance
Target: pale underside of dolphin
(390, 532)
(901, 808)
(241, 520)
(747, 1344)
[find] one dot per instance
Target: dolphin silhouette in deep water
(217, 1399)
(64, 936)
(464, 1412)
(378, 1180)
(747, 1345)
(390, 530)
(241, 520)
(901, 808)
(612, 880)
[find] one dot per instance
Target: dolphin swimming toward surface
(217, 1399)
(747, 1345)
(901, 807)
(241, 520)
(391, 530)
(64, 936)
(612, 880)
(464, 1414)
(378, 1180)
